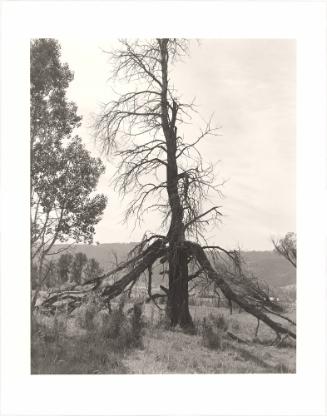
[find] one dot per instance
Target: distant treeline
(265, 265)
(68, 268)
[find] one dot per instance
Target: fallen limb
(107, 291)
(252, 309)
(242, 291)
(236, 338)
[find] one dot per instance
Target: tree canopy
(64, 175)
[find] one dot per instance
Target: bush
(86, 313)
(124, 332)
(76, 355)
(213, 331)
(163, 321)
(46, 328)
(220, 322)
(137, 324)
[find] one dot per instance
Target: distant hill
(265, 265)
(103, 253)
(270, 267)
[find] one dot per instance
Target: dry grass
(179, 353)
(211, 350)
(94, 342)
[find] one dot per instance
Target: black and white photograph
(163, 234)
(163, 198)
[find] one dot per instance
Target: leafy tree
(80, 260)
(51, 277)
(92, 269)
(63, 173)
(64, 265)
(52, 115)
(286, 247)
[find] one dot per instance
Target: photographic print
(163, 235)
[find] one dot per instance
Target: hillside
(271, 267)
(266, 265)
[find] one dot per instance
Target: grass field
(91, 342)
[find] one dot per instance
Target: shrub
(163, 321)
(77, 355)
(236, 326)
(116, 321)
(213, 331)
(98, 350)
(46, 328)
(87, 311)
(124, 332)
(137, 324)
(221, 322)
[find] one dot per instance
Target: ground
(167, 351)
(71, 348)
(176, 352)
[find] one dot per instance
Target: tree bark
(177, 303)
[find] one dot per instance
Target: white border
(300, 394)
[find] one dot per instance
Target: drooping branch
(107, 290)
(248, 297)
(244, 302)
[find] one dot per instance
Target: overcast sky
(249, 85)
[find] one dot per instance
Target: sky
(249, 87)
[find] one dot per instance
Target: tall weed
(214, 330)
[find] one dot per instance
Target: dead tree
(165, 172)
(143, 128)
(241, 290)
(286, 247)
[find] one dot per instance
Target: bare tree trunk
(177, 304)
